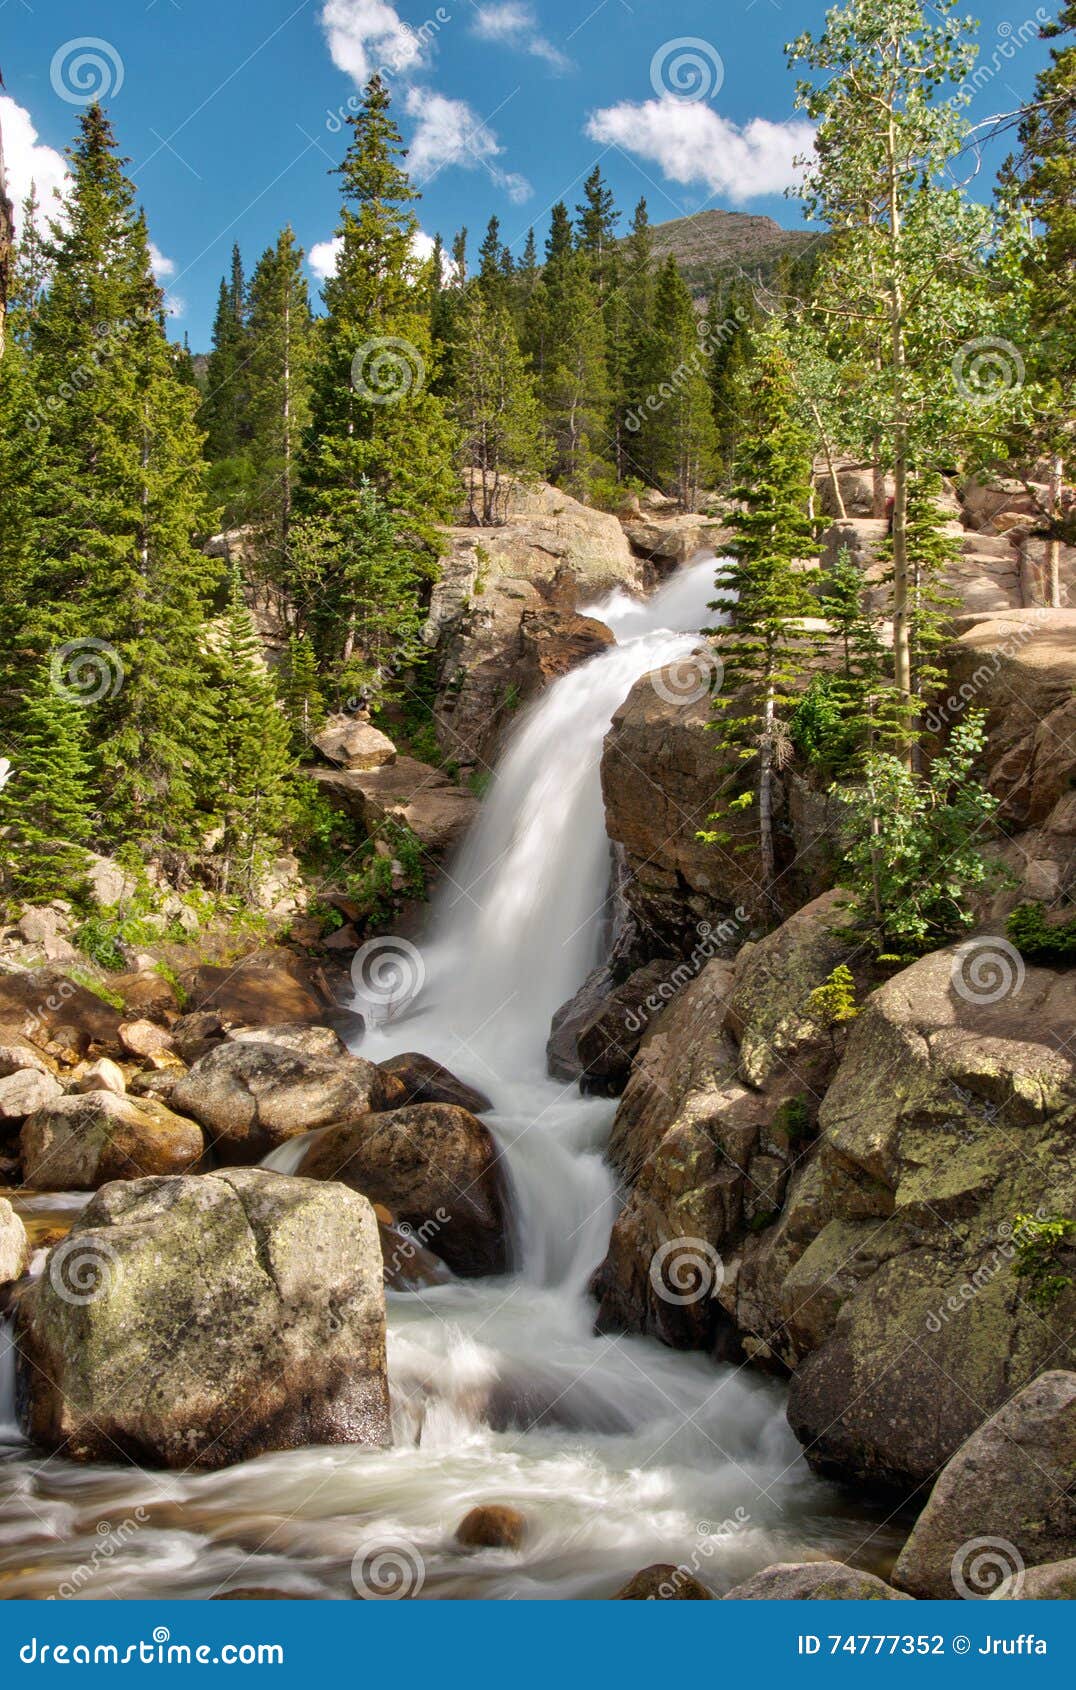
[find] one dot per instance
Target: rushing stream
(618, 1451)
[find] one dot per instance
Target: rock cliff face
(854, 1206)
(551, 556)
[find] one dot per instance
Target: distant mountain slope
(717, 244)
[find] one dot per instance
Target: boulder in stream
(814, 1581)
(434, 1166)
(80, 1142)
(14, 1244)
(251, 1097)
(196, 1322)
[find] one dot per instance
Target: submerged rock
(196, 1322)
(1006, 1500)
(493, 1525)
(81, 1142)
(435, 1167)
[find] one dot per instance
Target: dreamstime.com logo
(387, 1569)
(83, 1268)
(986, 369)
(85, 671)
(987, 969)
(685, 1271)
(387, 973)
(688, 679)
(387, 369)
(687, 69)
(983, 1564)
(86, 69)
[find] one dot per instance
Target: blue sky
(230, 112)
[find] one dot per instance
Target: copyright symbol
(961, 1645)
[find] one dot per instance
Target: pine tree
(568, 328)
(120, 494)
(45, 805)
(30, 270)
(249, 761)
(765, 645)
(494, 405)
(631, 354)
(731, 370)
(597, 221)
(380, 439)
(280, 341)
(224, 412)
(679, 441)
(300, 691)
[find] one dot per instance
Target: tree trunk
(1052, 565)
(765, 795)
(7, 243)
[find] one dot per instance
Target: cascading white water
(619, 1452)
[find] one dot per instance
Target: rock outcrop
(434, 1166)
(551, 555)
(354, 743)
(14, 1245)
(198, 1322)
(415, 795)
(81, 1142)
(1005, 1502)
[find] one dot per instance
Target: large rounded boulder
(251, 1096)
(195, 1322)
(435, 1167)
(83, 1141)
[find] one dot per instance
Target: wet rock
(197, 1322)
(553, 642)
(251, 1096)
(608, 1039)
(814, 1581)
(80, 1143)
(426, 1081)
(493, 1525)
(663, 1583)
(562, 1054)
(670, 540)
(435, 1167)
(354, 743)
(1011, 1483)
(23, 1093)
(14, 1245)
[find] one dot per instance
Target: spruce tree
(631, 353)
(494, 405)
(573, 378)
(46, 802)
(249, 764)
(280, 343)
(300, 691)
(679, 440)
(380, 438)
(119, 495)
(765, 646)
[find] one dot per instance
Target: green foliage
(494, 405)
(1041, 1247)
(834, 1002)
(793, 1118)
(819, 727)
(45, 813)
(1038, 940)
(915, 860)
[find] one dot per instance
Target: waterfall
(619, 1452)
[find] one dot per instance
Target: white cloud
(512, 23)
(368, 35)
(162, 267)
(324, 256)
(690, 142)
(26, 160)
(450, 132)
